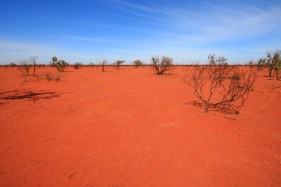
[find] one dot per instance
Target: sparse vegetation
(273, 62)
(261, 63)
(118, 63)
(58, 77)
(33, 60)
(251, 64)
(24, 67)
(77, 65)
(50, 77)
(220, 86)
(163, 65)
(137, 63)
(59, 64)
(12, 64)
(102, 65)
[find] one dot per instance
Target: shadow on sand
(27, 94)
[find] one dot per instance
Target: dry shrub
(59, 64)
(24, 67)
(219, 86)
(137, 63)
(165, 64)
(102, 65)
(118, 63)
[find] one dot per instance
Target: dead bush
(219, 86)
(24, 67)
(163, 65)
(102, 65)
(26, 64)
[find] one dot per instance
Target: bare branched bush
(102, 65)
(24, 67)
(219, 86)
(26, 64)
(163, 65)
(137, 63)
(33, 61)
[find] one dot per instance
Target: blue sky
(92, 30)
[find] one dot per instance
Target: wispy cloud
(217, 22)
(80, 38)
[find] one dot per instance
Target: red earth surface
(130, 127)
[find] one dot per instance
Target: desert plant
(220, 86)
(273, 60)
(163, 65)
(137, 63)
(277, 69)
(118, 63)
(77, 65)
(48, 76)
(57, 77)
(102, 65)
(261, 63)
(59, 64)
(24, 67)
(251, 64)
(33, 60)
(12, 64)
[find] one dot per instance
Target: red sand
(133, 128)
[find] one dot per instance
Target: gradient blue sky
(92, 30)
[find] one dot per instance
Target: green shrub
(59, 64)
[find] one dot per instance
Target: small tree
(59, 64)
(261, 63)
(118, 63)
(138, 63)
(273, 60)
(24, 67)
(33, 60)
(277, 69)
(102, 65)
(251, 64)
(163, 65)
(12, 64)
(77, 65)
(220, 86)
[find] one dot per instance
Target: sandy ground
(133, 128)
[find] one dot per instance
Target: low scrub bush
(77, 65)
(137, 63)
(219, 86)
(118, 63)
(59, 64)
(163, 65)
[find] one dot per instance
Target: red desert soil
(133, 128)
